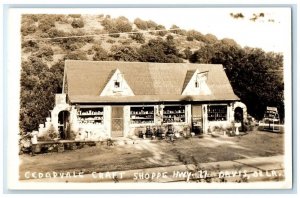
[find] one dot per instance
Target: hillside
(47, 40)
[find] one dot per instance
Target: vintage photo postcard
(149, 98)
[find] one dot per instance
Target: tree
(141, 24)
(77, 55)
(124, 53)
(37, 93)
(77, 23)
(195, 35)
(176, 29)
(229, 42)
(170, 38)
(203, 55)
(115, 26)
(161, 33)
(30, 46)
(123, 24)
(210, 39)
(158, 50)
(255, 75)
(101, 54)
(186, 53)
(53, 32)
(46, 23)
(151, 25)
(138, 37)
(45, 52)
(27, 29)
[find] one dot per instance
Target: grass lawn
(146, 154)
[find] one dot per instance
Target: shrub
(110, 41)
(44, 35)
(73, 43)
(60, 17)
(177, 30)
(75, 15)
(29, 18)
(186, 53)
(51, 134)
(75, 46)
(229, 42)
(77, 23)
(45, 52)
(77, 55)
(53, 32)
(30, 45)
(161, 33)
(123, 25)
(101, 54)
(189, 38)
(118, 25)
(174, 27)
(170, 37)
(114, 35)
(124, 53)
(138, 37)
(158, 50)
(45, 24)
(210, 38)
(90, 52)
(125, 42)
(27, 29)
(141, 24)
(151, 25)
(195, 35)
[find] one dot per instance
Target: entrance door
(63, 125)
(197, 120)
(117, 122)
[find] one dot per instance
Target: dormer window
(117, 84)
(200, 79)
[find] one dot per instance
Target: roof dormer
(117, 86)
(196, 83)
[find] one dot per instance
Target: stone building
(103, 99)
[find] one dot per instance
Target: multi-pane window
(142, 115)
(217, 112)
(174, 113)
(90, 115)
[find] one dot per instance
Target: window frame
(141, 124)
(184, 113)
(225, 106)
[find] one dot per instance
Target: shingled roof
(150, 82)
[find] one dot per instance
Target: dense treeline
(255, 75)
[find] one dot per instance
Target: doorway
(238, 114)
(197, 119)
(239, 117)
(117, 121)
(64, 125)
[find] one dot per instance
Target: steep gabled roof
(122, 89)
(148, 81)
(188, 77)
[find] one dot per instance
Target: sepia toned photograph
(153, 97)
